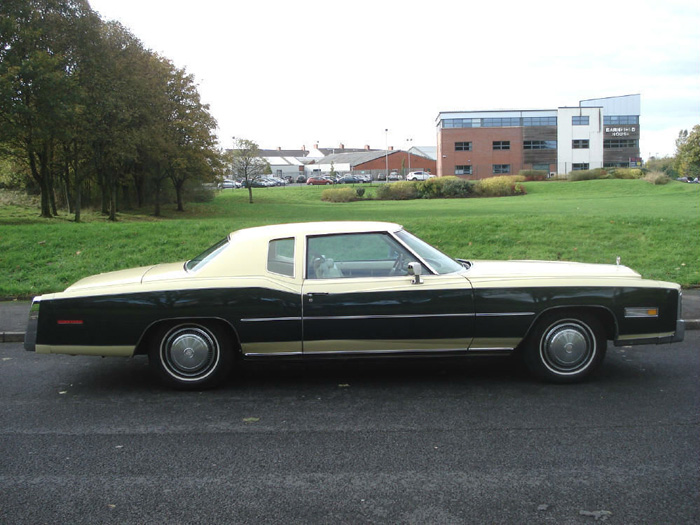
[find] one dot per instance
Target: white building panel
(567, 132)
(625, 105)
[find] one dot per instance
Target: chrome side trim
(261, 319)
(349, 317)
(389, 352)
(261, 354)
(504, 314)
(492, 349)
(403, 316)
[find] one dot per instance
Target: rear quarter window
(280, 257)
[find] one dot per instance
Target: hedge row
(452, 188)
(605, 173)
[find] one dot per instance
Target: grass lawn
(654, 229)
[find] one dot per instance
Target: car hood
(546, 269)
(144, 274)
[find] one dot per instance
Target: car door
(357, 297)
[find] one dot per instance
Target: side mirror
(415, 269)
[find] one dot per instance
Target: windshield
(437, 260)
(207, 255)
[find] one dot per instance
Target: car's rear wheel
(565, 347)
(191, 355)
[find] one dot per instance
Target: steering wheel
(398, 265)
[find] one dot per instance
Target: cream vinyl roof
(312, 228)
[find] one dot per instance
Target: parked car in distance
(394, 175)
(301, 179)
(352, 289)
(229, 184)
(350, 179)
(419, 175)
(316, 181)
(275, 181)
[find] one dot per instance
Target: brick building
(375, 162)
(597, 133)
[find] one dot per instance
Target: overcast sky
(292, 73)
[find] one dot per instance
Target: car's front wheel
(191, 355)
(565, 347)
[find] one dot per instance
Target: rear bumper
(32, 324)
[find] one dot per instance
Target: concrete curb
(11, 337)
(692, 324)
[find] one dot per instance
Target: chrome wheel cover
(189, 353)
(568, 347)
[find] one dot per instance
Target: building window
(501, 169)
(579, 120)
(579, 166)
(463, 146)
(463, 170)
(540, 144)
(500, 122)
(580, 143)
(539, 121)
(501, 144)
(612, 120)
(620, 143)
(460, 123)
(540, 167)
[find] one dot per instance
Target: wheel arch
(602, 313)
(152, 329)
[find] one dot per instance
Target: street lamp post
(386, 153)
(408, 152)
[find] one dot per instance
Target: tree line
(88, 115)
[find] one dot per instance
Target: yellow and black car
(352, 289)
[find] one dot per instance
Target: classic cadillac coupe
(346, 289)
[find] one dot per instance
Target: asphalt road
(90, 440)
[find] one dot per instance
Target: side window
(356, 255)
(280, 257)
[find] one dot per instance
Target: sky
(295, 73)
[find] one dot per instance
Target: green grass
(654, 229)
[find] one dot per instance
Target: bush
(360, 192)
(197, 192)
(627, 173)
(537, 175)
(597, 173)
(339, 195)
(456, 188)
(502, 186)
(398, 191)
(432, 188)
(444, 187)
(657, 178)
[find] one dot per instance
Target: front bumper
(658, 339)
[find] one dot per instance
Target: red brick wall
(395, 160)
(482, 157)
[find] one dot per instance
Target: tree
(38, 92)
(688, 153)
(86, 108)
(247, 164)
(191, 130)
(663, 165)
